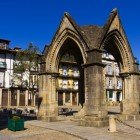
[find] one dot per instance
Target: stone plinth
(112, 123)
(94, 121)
(47, 118)
(128, 117)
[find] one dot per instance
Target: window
(33, 80)
(64, 83)
(67, 97)
(119, 84)
(110, 94)
(109, 69)
(1, 79)
(65, 70)
(75, 72)
(3, 45)
(2, 57)
(110, 82)
(75, 83)
(117, 69)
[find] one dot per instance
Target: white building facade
(13, 93)
(113, 81)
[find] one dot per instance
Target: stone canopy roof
(93, 35)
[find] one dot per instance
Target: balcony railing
(3, 65)
(68, 89)
(110, 86)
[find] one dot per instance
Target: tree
(25, 63)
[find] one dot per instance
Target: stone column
(131, 91)
(96, 98)
(48, 105)
(34, 99)
(26, 98)
(77, 94)
(96, 110)
(64, 95)
(9, 98)
(18, 97)
(112, 123)
(0, 97)
(71, 98)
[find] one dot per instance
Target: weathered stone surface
(89, 44)
(94, 121)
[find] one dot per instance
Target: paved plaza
(68, 129)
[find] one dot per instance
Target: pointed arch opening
(70, 82)
(116, 59)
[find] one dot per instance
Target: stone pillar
(112, 123)
(131, 91)
(48, 105)
(0, 97)
(77, 94)
(26, 98)
(18, 97)
(34, 99)
(96, 98)
(9, 98)
(71, 98)
(96, 110)
(64, 95)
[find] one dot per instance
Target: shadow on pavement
(5, 114)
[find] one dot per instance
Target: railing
(110, 86)
(70, 75)
(68, 89)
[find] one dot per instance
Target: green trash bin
(16, 125)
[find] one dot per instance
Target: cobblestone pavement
(32, 132)
(69, 130)
(93, 133)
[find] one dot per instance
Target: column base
(126, 117)
(47, 118)
(94, 121)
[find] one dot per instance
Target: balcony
(3, 65)
(110, 86)
(66, 89)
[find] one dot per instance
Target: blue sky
(24, 21)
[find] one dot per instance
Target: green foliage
(25, 62)
(27, 59)
(16, 118)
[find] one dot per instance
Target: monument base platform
(94, 121)
(47, 118)
(126, 117)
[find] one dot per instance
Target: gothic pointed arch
(120, 49)
(54, 50)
